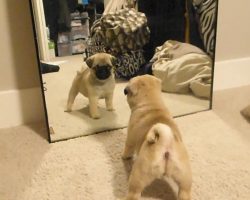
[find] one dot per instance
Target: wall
(20, 95)
(233, 32)
(17, 46)
(19, 80)
(233, 45)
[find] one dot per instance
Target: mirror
(89, 49)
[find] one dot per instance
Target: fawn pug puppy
(95, 81)
(155, 138)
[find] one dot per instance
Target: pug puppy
(96, 81)
(155, 138)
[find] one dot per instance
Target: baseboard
(21, 107)
(232, 73)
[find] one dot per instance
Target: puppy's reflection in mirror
(95, 81)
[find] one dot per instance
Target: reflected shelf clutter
(96, 46)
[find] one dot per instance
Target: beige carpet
(90, 168)
(78, 122)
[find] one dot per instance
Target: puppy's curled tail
(160, 133)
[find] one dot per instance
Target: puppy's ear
(89, 61)
(132, 90)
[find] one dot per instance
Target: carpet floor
(78, 123)
(90, 168)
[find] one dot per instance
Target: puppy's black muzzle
(102, 72)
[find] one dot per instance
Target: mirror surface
(172, 40)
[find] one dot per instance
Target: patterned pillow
(127, 64)
(123, 31)
(206, 12)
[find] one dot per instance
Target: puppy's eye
(126, 91)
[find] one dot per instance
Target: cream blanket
(183, 68)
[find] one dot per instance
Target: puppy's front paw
(110, 109)
(68, 110)
(128, 152)
(126, 157)
(96, 116)
(128, 198)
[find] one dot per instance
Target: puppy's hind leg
(184, 181)
(138, 180)
(142, 175)
(71, 98)
(184, 191)
(109, 102)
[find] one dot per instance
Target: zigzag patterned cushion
(127, 64)
(206, 11)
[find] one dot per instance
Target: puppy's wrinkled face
(101, 65)
(141, 89)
